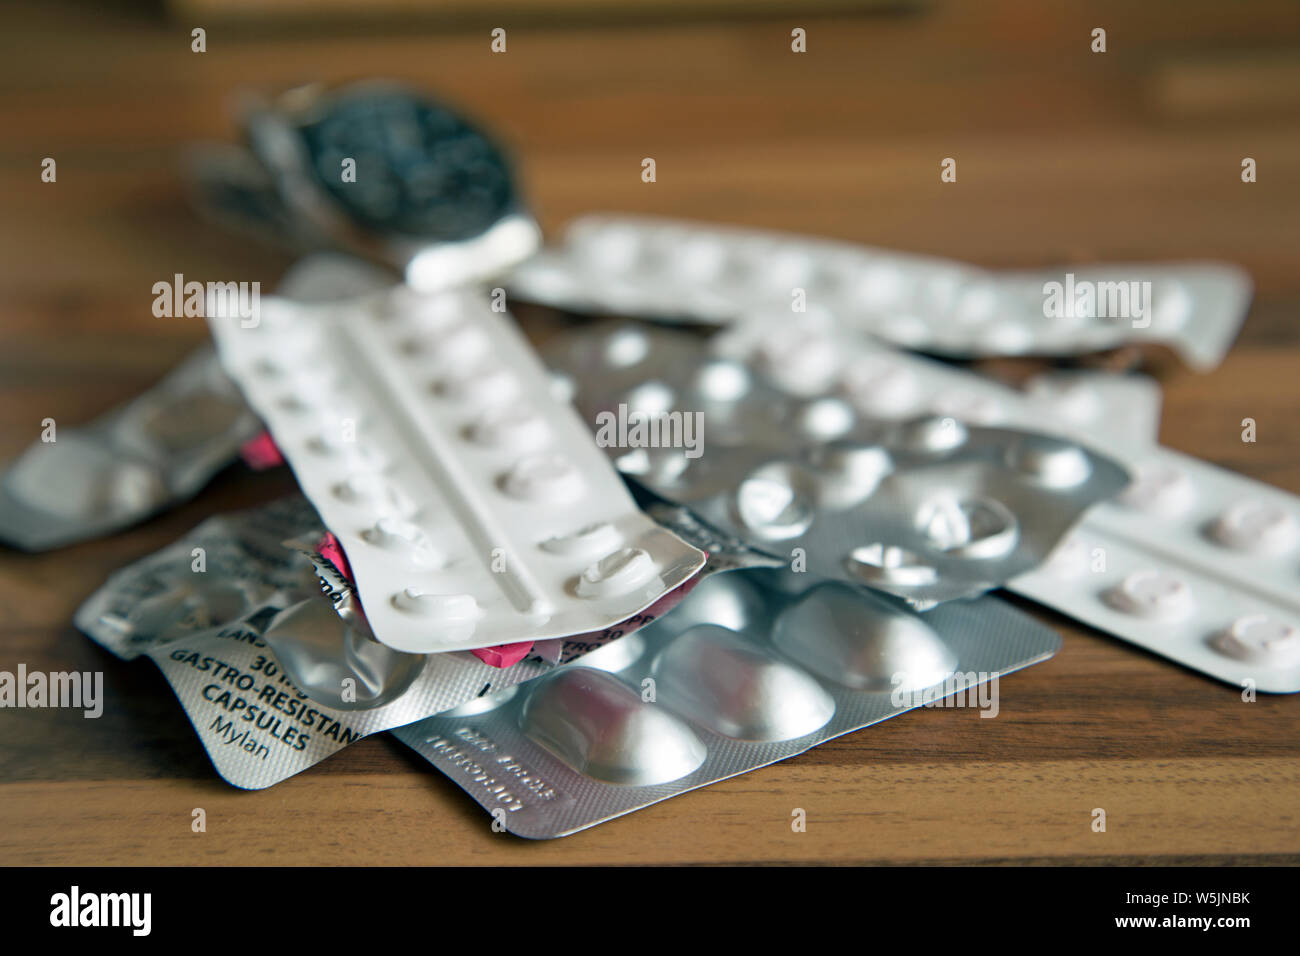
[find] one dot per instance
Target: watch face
(420, 170)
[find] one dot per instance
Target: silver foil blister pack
(647, 267)
(738, 676)
(157, 449)
(800, 459)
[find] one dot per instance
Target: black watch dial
(421, 170)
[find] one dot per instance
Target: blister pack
(472, 505)
(161, 447)
(685, 271)
(737, 677)
(273, 678)
(762, 445)
(1189, 561)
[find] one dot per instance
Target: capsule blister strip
(927, 508)
(737, 677)
(472, 505)
(685, 271)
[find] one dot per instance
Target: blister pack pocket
(686, 271)
(737, 677)
(471, 503)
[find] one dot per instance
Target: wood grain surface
(1063, 155)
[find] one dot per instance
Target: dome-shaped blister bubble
(603, 729)
(182, 424)
(77, 476)
(1048, 461)
(727, 600)
(319, 651)
(848, 472)
(846, 637)
(719, 680)
(776, 502)
(617, 655)
(173, 610)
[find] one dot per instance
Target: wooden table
(1063, 155)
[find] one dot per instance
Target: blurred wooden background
(1063, 155)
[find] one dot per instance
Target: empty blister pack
(737, 677)
(272, 678)
(660, 268)
(83, 481)
(928, 508)
(473, 506)
(1191, 562)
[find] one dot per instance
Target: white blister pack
(472, 505)
(686, 271)
(1192, 562)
